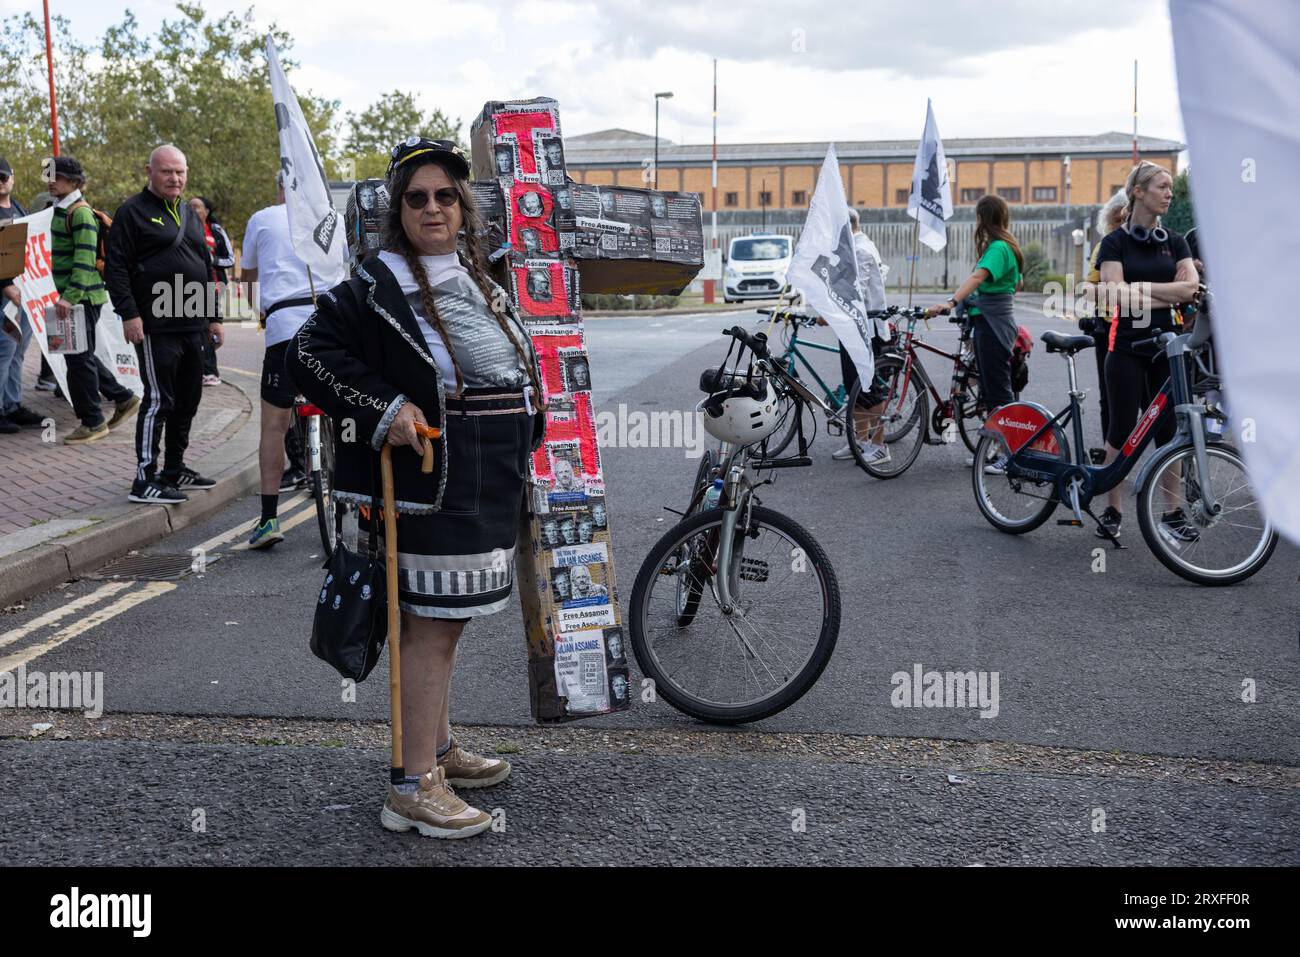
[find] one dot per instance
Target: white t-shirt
(280, 273)
(871, 278)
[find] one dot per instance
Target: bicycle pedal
(1070, 521)
(754, 570)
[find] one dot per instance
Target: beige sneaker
(123, 411)
(433, 810)
(85, 434)
(466, 770)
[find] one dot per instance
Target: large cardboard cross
(552, 240)
(549, 240)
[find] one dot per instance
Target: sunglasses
(4, 177)
(419, 198)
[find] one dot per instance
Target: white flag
(1238, 74)
(314, 226)
(930, 202)
(825, 269)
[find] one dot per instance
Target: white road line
(242, 527)
(50, 617)
(93, 620)
(291, 522)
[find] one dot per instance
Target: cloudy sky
(788, 70)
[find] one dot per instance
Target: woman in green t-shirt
(995, 280)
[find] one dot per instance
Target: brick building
(1025, 171)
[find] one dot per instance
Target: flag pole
(911, 278)
(49, 63)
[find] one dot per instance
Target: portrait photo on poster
(530, 204)
(539, 284)
(574, 369)
(507, 157)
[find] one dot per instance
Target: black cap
(421, 150)
(5, 167)
(68, 167)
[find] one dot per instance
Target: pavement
(65, 506)
(1142, 720)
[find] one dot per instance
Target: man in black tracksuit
(158, 276)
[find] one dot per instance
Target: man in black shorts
(285, 301)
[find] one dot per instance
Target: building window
(731, 199)
(799, 197)
(972, 194)
(900, 196)
(1010, 193)
(765, 199)
(1044, 194)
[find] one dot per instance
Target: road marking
(242, 527)
(93, 620)
(50, 617)
(288, 523)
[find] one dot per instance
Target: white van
(756, 267)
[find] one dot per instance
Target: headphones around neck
(1142, 234)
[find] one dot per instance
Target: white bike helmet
(740, 409)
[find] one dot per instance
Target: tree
(200, 83)
(374, 131)
(1181, 216)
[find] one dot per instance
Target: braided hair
(472, 237)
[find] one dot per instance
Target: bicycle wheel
(690, 588)
(322, 487)
(1011, 505)
(969, 419)
(904, 416)
(757, 661)
(1208, 550)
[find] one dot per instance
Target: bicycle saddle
(1060, 342)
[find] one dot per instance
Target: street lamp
(658, 97)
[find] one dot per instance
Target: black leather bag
(351, 620)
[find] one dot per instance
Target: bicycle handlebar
(757, 342)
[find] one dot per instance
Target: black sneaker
(188, 478)
(156, 492)
(291, 480)
(1175, 527)
(1110, 522)
(7, 425)
(25, 416)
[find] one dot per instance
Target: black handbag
(351, 622)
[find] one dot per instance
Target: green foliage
(374, 131)
(1037, 266)
(1181, 216)
(199, 82)
(602, 302)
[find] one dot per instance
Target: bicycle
(773, 621)
(317, 436)
(836, 403)
(1024, 457)
(907, 407)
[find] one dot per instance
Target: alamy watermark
(626, 428)
(59, 690)
(946, 689)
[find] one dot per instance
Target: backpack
(101, 245)
(1020, 351)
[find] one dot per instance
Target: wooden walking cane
(397, 772)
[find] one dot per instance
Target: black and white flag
(825, 269)
(315, 228)
(930, 202)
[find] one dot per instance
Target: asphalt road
(1132, 660)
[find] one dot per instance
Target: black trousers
(1132, 381)
(171, 365)
(994, 361)
(88, 377)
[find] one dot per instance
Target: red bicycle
(906, 419)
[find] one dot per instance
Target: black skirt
(459, 562)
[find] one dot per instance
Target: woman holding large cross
(421, 334)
